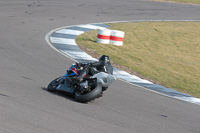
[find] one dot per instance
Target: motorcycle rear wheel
(86, 97)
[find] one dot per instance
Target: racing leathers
(93, 68)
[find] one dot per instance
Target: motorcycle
(90, 88)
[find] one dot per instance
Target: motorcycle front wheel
(54, 84)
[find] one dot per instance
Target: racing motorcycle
(90, 88)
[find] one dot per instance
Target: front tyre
(84, 98)
(53, 85)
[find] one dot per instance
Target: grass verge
(167, 53)
(181, 1)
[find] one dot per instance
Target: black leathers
(90, 69)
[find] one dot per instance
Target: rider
(103, 65)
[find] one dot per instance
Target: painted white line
(62, 41)
(190, 99)
(79, 55)
(89, 26)
(128, 77)
(69, 31)
(132, 78)
(47, 39)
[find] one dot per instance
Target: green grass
(165, 52)
(188, 1)
(182, 1)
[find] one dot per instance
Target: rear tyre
(86, 97)
(104, 88)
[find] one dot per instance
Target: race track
(28, 64)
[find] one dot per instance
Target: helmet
(104, 58)
(72, 71)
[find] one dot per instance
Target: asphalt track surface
(28, 64)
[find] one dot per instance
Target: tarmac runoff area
(63, 41)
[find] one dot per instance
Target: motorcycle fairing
(71, 72)
(65, 87)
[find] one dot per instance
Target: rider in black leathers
(103, 65)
